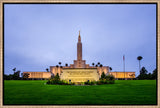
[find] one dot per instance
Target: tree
(139, 58)
(149, 76)
(57, 67)
(14, 69)
(110, 68)
(66, 65)
(101, 65)
(47, 69)
(10, 76)
(57, 77)
(52, 75)
(59, 63)
(103, 75)
(93, 64)
(16, 75)
(154, 74)
(98, 63)
(6, 77)
(143, 74)
(143, 71)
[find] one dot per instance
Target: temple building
(79, 71)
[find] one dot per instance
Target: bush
(108, 79)
(72, 83)
(59, 82)
(92, 83)
(98, 82)
(86, 83)
(89, 83)
(82, 83)
(111, 81)
(102, 81)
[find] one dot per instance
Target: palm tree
(57, 68)
(61, 68)
(59, 63)
(139, 58)
(101, 67)
(47, 69)
(98, 63)
(93, 64)
(110, 68)
(66, 65)
(14, 70)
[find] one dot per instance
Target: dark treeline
(145, 75)
(14, 76)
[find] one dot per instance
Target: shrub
(89, 83)
(103, 76)
(86, 83)
(82, 83)
(111, 82)
(94, 82)
(98, 83)
(112, 77)
(72, 83)
(108, 79)
(101, 81)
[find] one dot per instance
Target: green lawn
(122, 92)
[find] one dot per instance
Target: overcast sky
(37, 36)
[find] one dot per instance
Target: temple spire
(79, 37)
(79, 48)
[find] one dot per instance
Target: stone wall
(123, 74)
(79, 75)
(39, 74)
(58, 70)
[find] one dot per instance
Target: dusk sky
(37, 36)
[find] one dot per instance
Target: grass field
(122, 92)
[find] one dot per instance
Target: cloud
(39, 36)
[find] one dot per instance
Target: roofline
(79, 68)
(36, 71)
(119, 72)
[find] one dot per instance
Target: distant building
(79, 71)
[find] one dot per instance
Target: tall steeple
(79, 37)
(79, 48)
